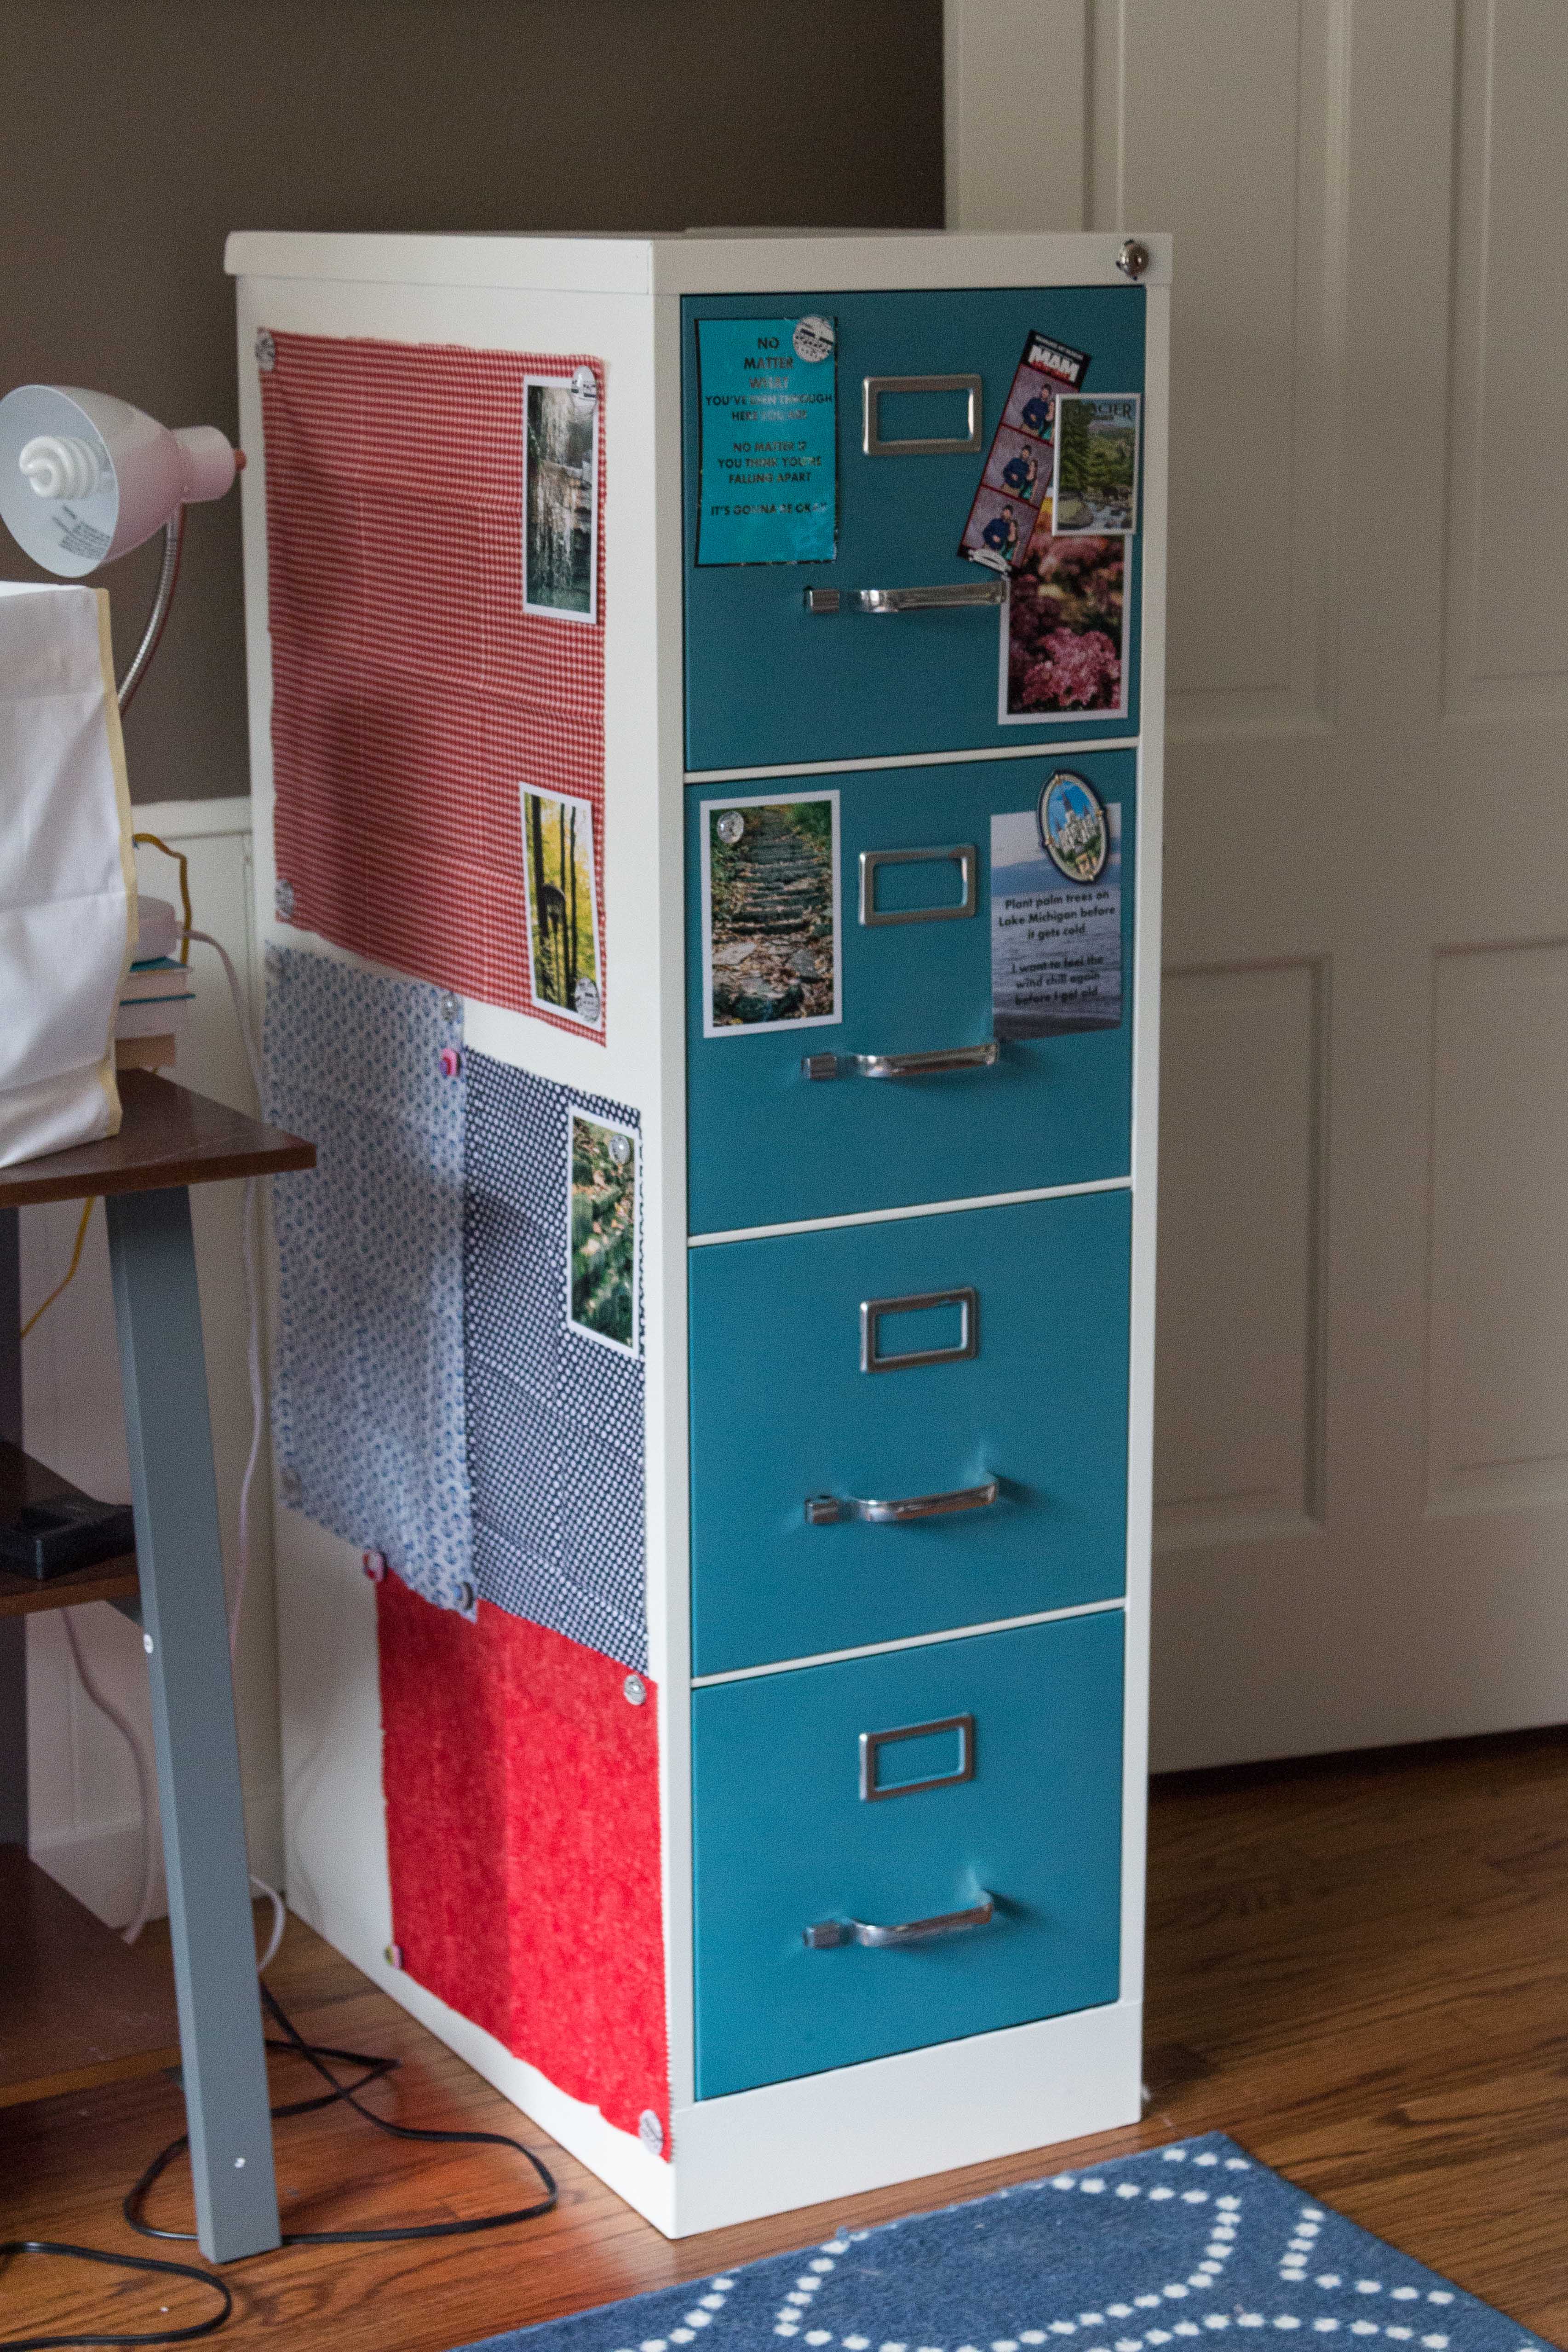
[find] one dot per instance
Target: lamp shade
(85, 478)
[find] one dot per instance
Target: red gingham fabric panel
(413, 697)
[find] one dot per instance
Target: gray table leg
(13, 1630)
(175, 1496)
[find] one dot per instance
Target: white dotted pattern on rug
(799, 2303)
(703, 2312)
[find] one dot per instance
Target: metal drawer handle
(875, 443)
(828, 1932)
(824, 1510)
(962, 854)
(873, 1360)
(873, 1791)
(962, 593)
(903, 1066)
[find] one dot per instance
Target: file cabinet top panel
(694, 262)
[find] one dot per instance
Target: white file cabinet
(713, 930)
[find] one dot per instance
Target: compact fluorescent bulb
(85, 478)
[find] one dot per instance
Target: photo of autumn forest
(558, 865)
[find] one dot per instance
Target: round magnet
(620, 1149)
(585, 1001)
(814, 339)
(730, 828)
(1075, 832)
(584, 384)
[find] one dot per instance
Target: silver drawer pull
(962, 854)
(960, 593)
(824, 1510)
(875, 1791)
(828, 1932)
(875, 443)
(903, 1066)
(873, 1359)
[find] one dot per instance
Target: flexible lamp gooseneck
(85, 478)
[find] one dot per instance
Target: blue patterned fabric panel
(554, 1421)
(1147, 2254)
(368, 1397)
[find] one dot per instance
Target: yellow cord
(184, 862)
(86, 1208)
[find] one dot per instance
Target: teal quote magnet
(768, 404)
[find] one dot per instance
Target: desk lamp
(85, 478)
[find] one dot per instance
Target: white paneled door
(1363, 1383)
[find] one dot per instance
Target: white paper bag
(68, 924)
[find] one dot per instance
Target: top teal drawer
(769, 683)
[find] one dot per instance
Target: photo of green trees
(560, 522)
(604, 1233)
(1097, 464)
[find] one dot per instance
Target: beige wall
(135, 133)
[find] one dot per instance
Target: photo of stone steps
(771, 912)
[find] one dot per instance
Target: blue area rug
(1144, 2255)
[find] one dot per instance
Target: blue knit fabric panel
(555, 1420)
(368, 1395)
(1198, 2243)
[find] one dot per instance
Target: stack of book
(154, 1006)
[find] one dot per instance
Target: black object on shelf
(46, 1525)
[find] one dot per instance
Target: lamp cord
(136, 2201)
(11, 2246)
(371, 2069)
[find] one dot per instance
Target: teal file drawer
(785, 1842)
(783, 1415)
(767, 1144)
(768, 682)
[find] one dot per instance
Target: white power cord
(133, 1738)
(257, 1426)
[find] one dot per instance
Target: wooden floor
(1359, 1967)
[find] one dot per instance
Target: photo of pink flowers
(1065, 627)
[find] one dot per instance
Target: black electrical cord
(376, 2068)
(116, 2262)
(373, 2070)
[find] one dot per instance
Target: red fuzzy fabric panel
(524, 1840)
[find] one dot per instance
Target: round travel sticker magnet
(1075, 832)
(814, 339)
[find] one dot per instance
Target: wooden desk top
(168, 1136)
